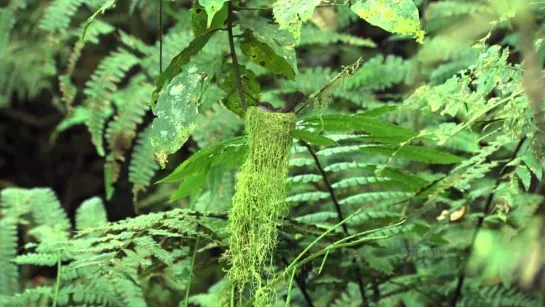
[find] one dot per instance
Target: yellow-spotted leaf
(396, 16)
(270, 47)
(176, 111)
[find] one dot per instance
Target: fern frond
(142, 166)
(99, 89)
(9, 284)
(91, 213)
(47, 210)
(59, 14)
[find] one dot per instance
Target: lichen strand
(258, 203)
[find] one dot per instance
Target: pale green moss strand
(258, 203)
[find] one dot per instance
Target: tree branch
(238, 80)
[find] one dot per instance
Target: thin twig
(301, 285)
(188, 289)
(238, 80)
(339, 214)
(461, 277)
(347, 70)
(160, 36)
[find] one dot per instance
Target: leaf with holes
(268, 46)
(199, 19)
(226, 81)
(396, 16)
(290, 14)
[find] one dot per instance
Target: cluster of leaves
(415, 181)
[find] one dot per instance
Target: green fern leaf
(58, 15)
(143, 166)
(9, 279)
(99, 90)
(91, 213)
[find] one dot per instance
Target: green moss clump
(259, 201)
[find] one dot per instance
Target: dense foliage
(287, 152)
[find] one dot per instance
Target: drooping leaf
(524, 175)
(268, 46)
(252, 88)
(231, 152)
(176, 111)
(175, 66)
(199, 19)
(189, 186)
(212, 7)
(396, 16)
(290, 14)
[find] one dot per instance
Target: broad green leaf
(175, 66)
(212, 7)
(215, 176)
(414, 153)
(524, 175)
(396, 16)
(313, 138)
(189, 186)
(229, 152)
(226, 81)
(199, 19)
(376, 112)
(176, 111)
(268, 46)
(346, 122)
(290, 14)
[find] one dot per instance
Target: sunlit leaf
(396, 16)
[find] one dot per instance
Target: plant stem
(238, 80)
(339, 215)
(188, 289)
(58, 283)
(301, 284)
(160, 36)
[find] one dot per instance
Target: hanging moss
(259, 203)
